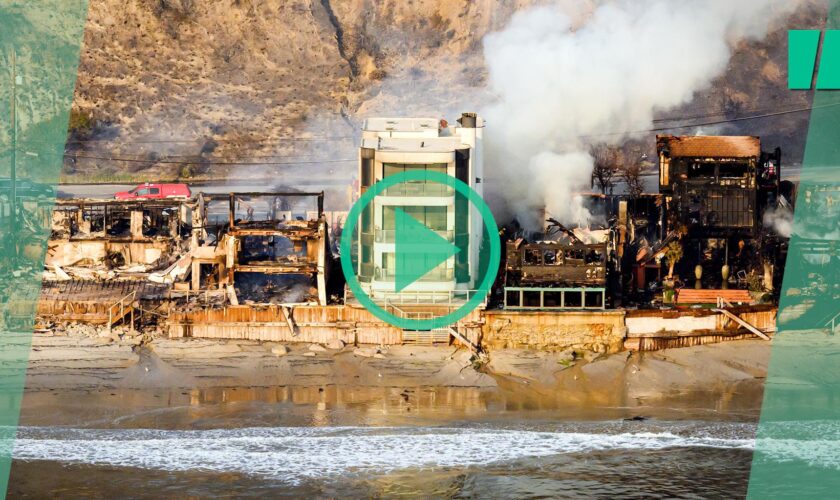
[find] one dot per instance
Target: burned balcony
(120, 220)
(556, 264)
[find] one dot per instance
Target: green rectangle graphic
(39, 50)
(802, 58)
(797, 451)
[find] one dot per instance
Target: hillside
(195, 88)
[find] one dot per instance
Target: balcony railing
(366, 270)
(389, 235)
(433, 275)
(418, 189)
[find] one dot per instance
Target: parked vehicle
(153, 191)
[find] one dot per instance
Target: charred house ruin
(716, 191)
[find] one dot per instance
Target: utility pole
(13, 215)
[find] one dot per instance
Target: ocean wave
(293, 453)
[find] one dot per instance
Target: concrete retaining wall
(599, 331)
(557, 330)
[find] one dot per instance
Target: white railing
(833, 323)
(418, 188)
(425, 337)
(450, 297)
(390, 235)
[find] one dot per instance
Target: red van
(152, 191)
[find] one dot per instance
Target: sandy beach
(73, 369)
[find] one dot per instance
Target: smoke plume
(780, 219)
(565, 78)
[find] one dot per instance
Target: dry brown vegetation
(164, 76)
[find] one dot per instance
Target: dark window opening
(594, 299)
(552, 299)
(274, 249)
(701, 170)
(531, 299)
(532, 257)
(513, 299)
(733, 170)
(574, 300)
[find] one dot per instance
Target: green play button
(418, 249)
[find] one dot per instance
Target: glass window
(398, 168)
(154, 191)
(432, 217)
(435, 218)
(436, 167)
(367, 218)
(389, 264)
(390, 169)
(389, 218)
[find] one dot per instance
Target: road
(335, 186)
(107, 190)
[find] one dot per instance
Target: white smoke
(779, 219)
(564, 80)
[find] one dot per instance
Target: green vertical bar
(802, 57)
(39, 57)
(797, 451)
(829, 72)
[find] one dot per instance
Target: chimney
(468, 120)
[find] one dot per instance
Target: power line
(707, 110)
(207, 139)
(719, 112)
(195, 158)
(137, 160)
(715, 122)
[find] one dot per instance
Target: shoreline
(77, 379)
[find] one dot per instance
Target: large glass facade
(383, 230)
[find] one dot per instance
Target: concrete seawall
(597, 331)
(601, 331)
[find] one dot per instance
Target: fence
(517, 298)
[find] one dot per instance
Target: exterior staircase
(420, 337)
(121, 309)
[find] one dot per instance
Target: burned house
(115, 233)
(716, 190)
(106, 257)
(270, 251)
(708, 218)
(558, 271)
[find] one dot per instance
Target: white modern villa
(395, 145)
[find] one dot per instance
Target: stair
(427, 337)
(743, 323)
(122, 308)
